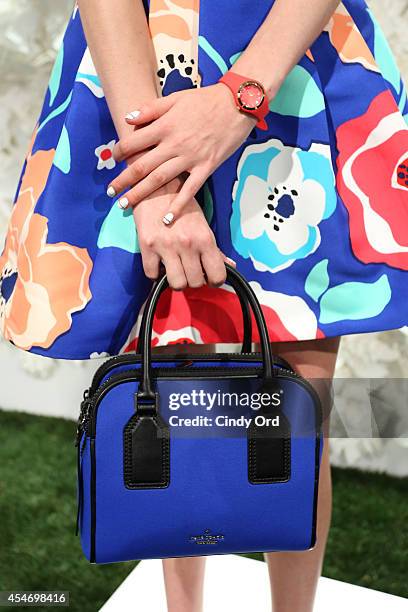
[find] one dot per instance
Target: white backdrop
(29, 38)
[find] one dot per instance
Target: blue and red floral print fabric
(314, 211)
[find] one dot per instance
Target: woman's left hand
(192, 130)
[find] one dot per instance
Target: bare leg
(184, 576)
(294, 575)
(184, 582)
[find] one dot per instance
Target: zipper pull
(83, 416)
(187, 363)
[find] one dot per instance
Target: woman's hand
(187, 248)
(193, 130)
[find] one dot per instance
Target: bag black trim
(93, 501)
(146, 452)
(80, 480)
(269, 453)
(313, 537)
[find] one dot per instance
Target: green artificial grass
(367, 545)
(39, 549)
(368, 539)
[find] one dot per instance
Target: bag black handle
(146, 398)
(246, 319)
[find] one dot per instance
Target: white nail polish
(111, 192)
(168, 218)
(123, 203)
(133, 114)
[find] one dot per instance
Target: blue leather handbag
(197, 454)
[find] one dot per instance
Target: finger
(193, 269)
(159, 177)
(189, 189)
(137, 170)
(214, 268)
(140, 139)
(151, 263)
(232, 262)
(150, 111)
(174, 271)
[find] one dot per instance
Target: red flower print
(372, 181)
(212, 315)
(105, 156)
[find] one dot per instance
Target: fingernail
(133, 114)
(123, 203)
(111, 191)
(231, 260)
(168, 218)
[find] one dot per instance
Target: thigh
(310, 358)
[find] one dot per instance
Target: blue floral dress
(314, 211)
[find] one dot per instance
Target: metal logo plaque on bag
(191, 454)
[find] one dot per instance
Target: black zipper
(134, 358)
(92, 403)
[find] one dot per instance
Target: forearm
(282, 39)
(119, 40)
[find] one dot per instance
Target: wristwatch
(249, 94)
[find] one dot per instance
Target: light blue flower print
(384, 56)
(280, 197)
(56, 73)
(351, 300)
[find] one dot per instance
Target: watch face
(251, 95)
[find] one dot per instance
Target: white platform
(241, 584)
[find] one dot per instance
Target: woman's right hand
(187, 247)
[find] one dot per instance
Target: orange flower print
(174, 31)
(41, 284)
(309, 54)
(347, 39)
